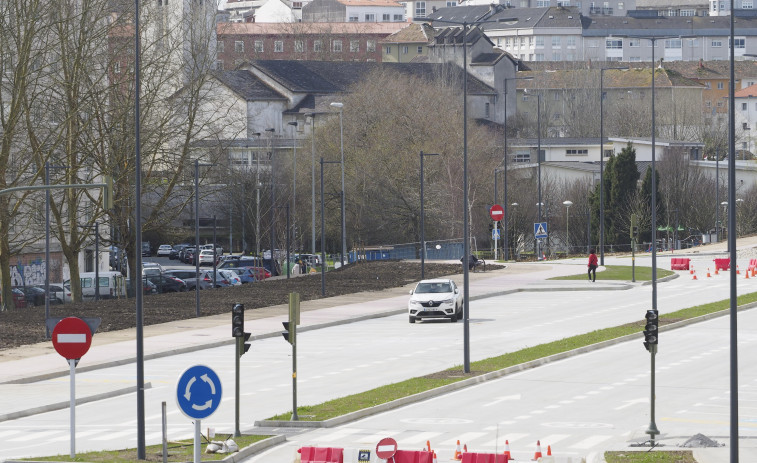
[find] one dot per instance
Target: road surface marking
(553, 439)
(464, 438)
(34, 436)
(336, 435)
(590, 442)
(117, 435)
(421, 437)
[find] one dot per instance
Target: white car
(164, 250)
(206, 257)
(231, 276)
(440, 298)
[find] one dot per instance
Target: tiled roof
(655, 4)
(247, 86)
(496, 17)
(748, 92)
(556, 141)
(579, 78)
(413, 33)
(369, 3)
(696, 70)
(327, 77)
(674, 26)
(302, 28)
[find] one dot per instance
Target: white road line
(34, 436)
(465, 438)
(420, 438)
(509, 438)
(10, 432)
(553, 439)
(337, 435)
(590, 442)
(376, 437)
(79, 435)
(115, 435)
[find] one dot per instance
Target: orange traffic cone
(434, 457)
(737, 270)
(549, 451)
(537, 454)
(507, 451)
(695, 276)
(691, 270)
(716, 271)
(428, 445)
(746, 275)
(458, 453)
(708, 272)
(754, 271)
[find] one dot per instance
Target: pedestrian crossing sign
(540, 230)
(495, 234)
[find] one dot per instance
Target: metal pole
(72, 405)
(538, 160)
(215, 270)
(47, 250)
(238, 353)
(602, 165)
(273, 214)
(289, 270)
(505, 243)
(197, 443)
(231, 210)
(97, 262)
(312, 187)
(323, 239)
(423, 231)
(466, 238)
(734, 427)
(652, 430)
(717, 194)
(197, 238)
(257, 206)
(141, 451)
(341, 149)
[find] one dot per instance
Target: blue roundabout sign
(198, 392)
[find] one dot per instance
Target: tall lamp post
(294, 185)
(257, 200)
(197, 236)
(602, 159)
(312, 181)
(504, 157)
(423, 230)
(538, 161)
(567, 205)
(340, 107)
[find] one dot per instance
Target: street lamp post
(602, 160)
(340, 107)
(294, 184)
(257, 202)
(197, 238)
(567, 205)
(504, 181)
(323, 231)
(423, 230)
(538, 163)
(312, 181)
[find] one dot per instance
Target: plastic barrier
(752, 264)
(322, 455)
(722, 264)
(679, 263)
(410, 456)
(484, 458)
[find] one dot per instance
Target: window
(634, 59)
(716, 43)
(530, 42)
(740, 42)
(687, 13)
(539, 41)
(556, 56)
(570, 42)
(570, 56)
(708, 103)
(486, 110)
(116, 67)
(336, 46)
(708, 85)
(522, 41)
(370, 46)
(522, 157)
(743, 106)
(620, 5)
(672, 43)
(258, 46)
(507, 41)
(387, 50)
(419, 50)
(542, 3)
(219, 65)
(556, 96)
(299, 46)
(743, 145)
(614, 44)
(720, 86)
(420, 9)
(744, 126)
(387, 17)
(577, 152)
(278, 46)
(399, 18)
(317, 46)
(747, 4)
(556, 41)
(405, 49)
(354, 46)
(238, 46)
(539, 57)
(296, 4)
(353, 18)
(219, 46)
(370, 18)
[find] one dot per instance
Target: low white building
(745, 110)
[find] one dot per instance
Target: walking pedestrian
(593, 266)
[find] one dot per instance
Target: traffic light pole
(241, 336)
(237, 433)
(652, 430)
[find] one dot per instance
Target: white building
(746, 119)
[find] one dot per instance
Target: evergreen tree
(625, 177)
(646, 197)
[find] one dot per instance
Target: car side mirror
(457, 291)
(411, 291)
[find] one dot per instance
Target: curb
(66, 404)
(485, 377)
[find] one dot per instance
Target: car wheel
(412, 319)
(453, 318)
(460, 314)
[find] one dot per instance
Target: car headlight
(447, 301)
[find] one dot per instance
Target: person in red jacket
(592, 266)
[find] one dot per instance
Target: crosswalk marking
(464, 438)
(590, 442)
(33, 436)
(499, 443)
(10, 432)
(421, 437)
(553, 439)
(375, 437)
(115, 435)
(337, 435)
(79, 435)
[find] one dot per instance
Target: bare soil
(26, 326)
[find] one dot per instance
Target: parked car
(439, 298)
(176, 251)
(167, 283)
(231, 276)
(188, 256)
(206, 257)
(247, 261)
(146, 250)
(252, 274)
(311, 260)
(151, 268)
(209, 247)
(19, 300)
(164, 250)
(111, 284)
(189, 277)
(61, 294)
(223, 278)
(35, 295)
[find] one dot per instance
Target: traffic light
(108, 192)
(237, 321)
(634, 227)
(290, 332)
(242, 345)
(650, 329)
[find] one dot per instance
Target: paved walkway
(25, 368)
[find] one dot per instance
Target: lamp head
(294, 123)
(336, 105)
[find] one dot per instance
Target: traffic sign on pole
(198, 392)
(497, 212)
(386, 448)
(540, 230)
(72, 338)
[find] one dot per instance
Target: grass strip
(657, 456)
(389, 392)
(620, 272)
(178, 451)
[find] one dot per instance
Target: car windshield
(433, 288)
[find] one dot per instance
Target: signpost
(198, 394)
(386, 448)
(71, 339)
(497, 213)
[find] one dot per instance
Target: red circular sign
(386, 448)
(497, 212)
(72, 338)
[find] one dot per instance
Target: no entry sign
(497, 212)
(386, 448)
(72, 338)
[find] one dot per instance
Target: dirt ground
(26, 326)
